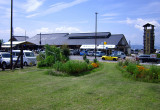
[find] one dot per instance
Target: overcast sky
(56, 16)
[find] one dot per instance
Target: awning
(14, 43)
(87, 47)
(106, 46)
(98, 47)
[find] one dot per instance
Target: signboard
(153, 56)
(105, 43)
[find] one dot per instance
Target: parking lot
(91, 58)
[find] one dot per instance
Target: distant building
(148, 38)
(83, 40)
(19, 38)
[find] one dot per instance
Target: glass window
(29, 54)
(6, 55)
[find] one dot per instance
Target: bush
(42, 64)
(58, 66)
(95, 60)
(141, 73)
(50, 60)
(87, 61)
(131, 68)
(40, 57)
(84, 57)
(72, 67)
(65, 52)
(158, 55)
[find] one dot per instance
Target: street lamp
(96, 34)
(11, 34)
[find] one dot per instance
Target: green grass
(103, 89)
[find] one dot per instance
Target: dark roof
(50, 39)
(21, 38)
(113, 39)
(63, 38)
(89, 35)
(148, 25)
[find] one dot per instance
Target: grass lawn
(103, 89)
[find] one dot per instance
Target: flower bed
(139, 72)
(74, 67)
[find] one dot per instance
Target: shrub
(40, 57)
(95, 60)
(131, 68)
(50, 60)
(95, 65)
(42, 64)
(120, 63)
(53, 51)
(158, 55)
(72, 67)
(84, 57)
(65, 52)
(58, 66)
(140, 72)
(87, 61)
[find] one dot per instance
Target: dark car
(147, 58)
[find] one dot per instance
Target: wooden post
(21, 56)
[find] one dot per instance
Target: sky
(31, 17)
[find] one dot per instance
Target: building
(83, 40)
(19, 38)
(148, 38)
(18, 45)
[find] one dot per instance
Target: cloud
(32, 5)
(3, 1)
(67, 29)
(152, 8)
(60, 6)
(5, 35)
(18, 31)
(139, 22)
(44, 30)
(32, 15)
(110, 14)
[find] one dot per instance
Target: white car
(5, 59)
(119, 54)
(28, 57)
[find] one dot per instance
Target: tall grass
(72, 67)
(139, 72)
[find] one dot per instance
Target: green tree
(1, 42)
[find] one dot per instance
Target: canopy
(14, 43)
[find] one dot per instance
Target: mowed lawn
(103, 89)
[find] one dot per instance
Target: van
(99, 53)
(119, 54)
(5, 60)
(28, 57)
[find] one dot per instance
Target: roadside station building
(105, 41)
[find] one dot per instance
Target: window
(147, 34)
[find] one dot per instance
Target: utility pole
(96, 35)
(25, 35)
(40, 40)
(11, 34)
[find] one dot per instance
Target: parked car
(99, 53)
(110, 57)
(147, 58)
(90, 53)
(74, 52)
(84, 52)
(5, 60)
(28, 57)
(119, 54)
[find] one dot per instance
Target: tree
(1, 42)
